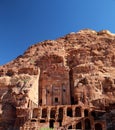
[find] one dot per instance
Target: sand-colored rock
(78, 68)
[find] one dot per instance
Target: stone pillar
(82, 112)
(30, 113)
(65, 111)
(39, 112)
(85, 97)
(48, 113)
(78, 98)
(57, 113)
(73, 111)
(43, 96)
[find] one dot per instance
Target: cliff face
(83, 61)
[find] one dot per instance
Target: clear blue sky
(26, 22)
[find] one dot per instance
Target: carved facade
(59, 109)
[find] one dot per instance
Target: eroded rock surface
(80, 66)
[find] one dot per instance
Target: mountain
(79, 65)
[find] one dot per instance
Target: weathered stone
(64, 83)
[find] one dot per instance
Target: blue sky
(26, 22)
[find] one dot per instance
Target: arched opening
(69, 112)
(98, 126)
(86, 113)
(44, 113)
(70, 127)
(78, 112)
(52, 113)
(35, 113)
(87, 124)
(60, 116)
(93, 113)
(78, 125)
(51, 123)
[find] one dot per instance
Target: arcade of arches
(62, 105)
(63, 117)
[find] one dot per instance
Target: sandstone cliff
(84, 60)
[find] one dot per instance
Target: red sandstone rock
(78, 68)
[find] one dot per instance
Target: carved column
(78, 97)
(65, 111)
(57, 113)
(48, 113)
(73, 111)
(82, 112)
(39, 112)
(43, 96)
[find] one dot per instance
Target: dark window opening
(33, 120)
(48, 91)
(69, 112)
(114, 81)
(60, 115)
(87, 124)
(51, 124)
(44, 113)
(78, 112)
(64, 90)
(60, 122)
(41, 101)
(79, 126)
(56, 100)
(70, 127)
(42, 121)
(72, 100)
(98, 126)
(52, 113)
(75, 102)
(86, 113)
(93, 113)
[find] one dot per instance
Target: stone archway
(53, 113)
(98, 126)
(44, 113)
(94, 115)
(69, 112)
(78, 112)
(86, 113)
(79, 125)
(60, 116)
(35, 113)
(51, 123)
(87, 124)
